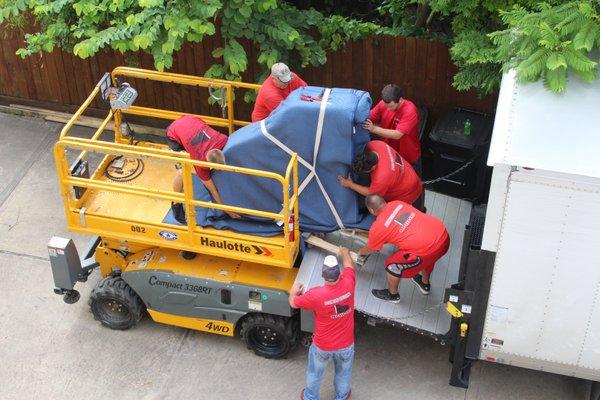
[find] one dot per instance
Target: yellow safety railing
(162, 153)
(228, 86)
(86, 145)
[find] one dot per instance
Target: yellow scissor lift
(202, 278)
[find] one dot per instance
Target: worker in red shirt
(274, 90)
(396, 120)
(420, 239)
(333, 305)
(391, 176)
(192, 134)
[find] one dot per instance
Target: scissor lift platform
(133, 215)
(128, 214)
(130, 206)
(415, 312)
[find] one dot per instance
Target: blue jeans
(317, 362)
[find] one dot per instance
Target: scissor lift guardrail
(280, 250)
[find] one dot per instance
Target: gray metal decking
(415, 311)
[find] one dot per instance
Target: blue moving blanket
(294, 125)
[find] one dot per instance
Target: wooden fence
(61, 81)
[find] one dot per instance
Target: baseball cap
(331, 269)
(281, 72)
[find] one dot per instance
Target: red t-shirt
(406, 228)
(269, 96)
(197, 138)
(406, 120)
(333, 306)
(393, 177)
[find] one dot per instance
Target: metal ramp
(415, 312)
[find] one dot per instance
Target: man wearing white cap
(274, 90)
(333, 306)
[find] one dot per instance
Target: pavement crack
(182, 340)
(31, 256)
(16, 222)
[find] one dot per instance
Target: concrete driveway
(50, 350)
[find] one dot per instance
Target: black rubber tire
(115, 304)
(270, 336)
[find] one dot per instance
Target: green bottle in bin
(467, 128)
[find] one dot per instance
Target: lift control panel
(124, 97)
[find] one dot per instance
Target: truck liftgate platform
(425, 315)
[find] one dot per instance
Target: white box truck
(531, 262)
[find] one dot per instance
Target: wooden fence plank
(409, 66)
(76, 90)
(194, 65)
(40, 88)
(57, 73)
(175, 93)
(441, 103)
(154, 90)
(187, 66)
(400, 57)
(377, 66)
(430, 71)
(418, 88)
(14, 66)
(389, 58)
(30, 74)
(6, 81)
(65, 80)
(368, 62)
(347, 69)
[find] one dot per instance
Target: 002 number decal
(138, 229)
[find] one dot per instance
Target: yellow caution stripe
(205, 325)
(453, 310)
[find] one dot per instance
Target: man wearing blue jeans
(333, 305)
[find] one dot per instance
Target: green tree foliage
(280, 31)
(541, 40)
(550, 42)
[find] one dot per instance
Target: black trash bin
(458, 137)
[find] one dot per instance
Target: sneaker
(178, 212)
(385, 295)
(418, 281)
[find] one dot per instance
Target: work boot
(418, 281)
(178, 212)
(385, 295)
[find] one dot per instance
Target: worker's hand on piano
(233, 215)
(343, 252)
(345, 182)
(297, 288)
(365, 251)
